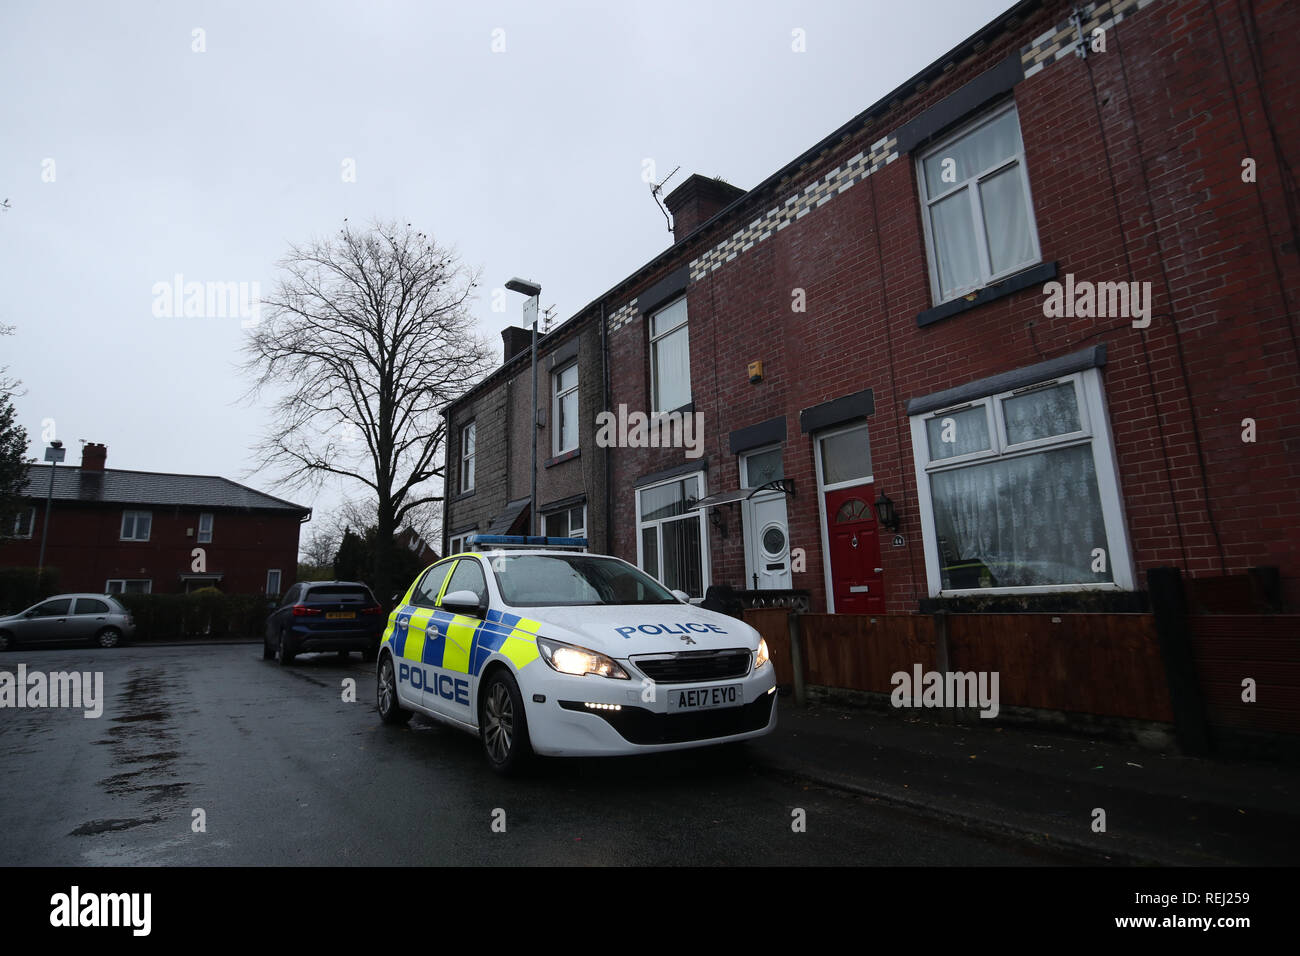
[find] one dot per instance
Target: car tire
(267, 653)
(283, 652)
(108, 637)
(503, 727)
(343, 656)
(7, 642)
(369, 655)
(390, 709)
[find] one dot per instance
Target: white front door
(767, 534)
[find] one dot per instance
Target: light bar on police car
(476, 541)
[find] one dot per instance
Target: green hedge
(205, 613)
(19, 590)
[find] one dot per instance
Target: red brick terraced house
(1037, 306)
(1035, 309)
(114, 531)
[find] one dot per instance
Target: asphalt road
(286, 772)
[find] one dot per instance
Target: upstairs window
(205, 528)
(136, 525)
(670, 358)
(564, 414)
(467, 458)
(24, 521)
(979, 221)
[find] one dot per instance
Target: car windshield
(548, 580)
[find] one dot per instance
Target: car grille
(639, 726)
(686, 667)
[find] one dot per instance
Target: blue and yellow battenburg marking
(459, 643)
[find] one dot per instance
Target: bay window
(1019, 492)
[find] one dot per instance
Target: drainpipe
(609, 478)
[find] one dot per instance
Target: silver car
(72, 618)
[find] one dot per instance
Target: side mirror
(682, 596)
(462, 602)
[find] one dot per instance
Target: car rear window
(340, 594)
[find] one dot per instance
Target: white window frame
(822, 488)
(205, 537)
(456, 543)
(987, 276)
(467, 456)
(123, 582)
(705, 570)
(31, 523)
(581, 532)
(557, 397)
(654, 363)
(1094, 431)
(135, 524)
(279, 582)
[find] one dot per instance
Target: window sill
(1034, 275)
(562, 458)
(463, 495)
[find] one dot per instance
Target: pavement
(1159, 808)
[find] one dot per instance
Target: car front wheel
(6, 641)
(502, 725)
(390, 711)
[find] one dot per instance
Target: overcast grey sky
(528, 160)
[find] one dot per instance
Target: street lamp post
(54, 454)
(533, 291)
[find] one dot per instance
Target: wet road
(279, 769)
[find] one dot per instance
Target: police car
(539, 647)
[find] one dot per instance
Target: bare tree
(369, 335)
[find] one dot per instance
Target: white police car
(539, 647)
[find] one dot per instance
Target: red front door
(856, 579)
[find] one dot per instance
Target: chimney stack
(696, 201)
(516, 340)
(93, 456)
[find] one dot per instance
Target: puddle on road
(95, 827)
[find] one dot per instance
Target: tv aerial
(656, 189)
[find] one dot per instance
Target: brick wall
(84, 544)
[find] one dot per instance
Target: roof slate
(114, 486)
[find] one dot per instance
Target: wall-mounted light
(755, 372)
(886, 513)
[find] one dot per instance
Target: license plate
(340, 615)
(705, 698)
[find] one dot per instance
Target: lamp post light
(533, 291)
(54, 454)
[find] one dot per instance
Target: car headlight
(578, 661)
(760, 655)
